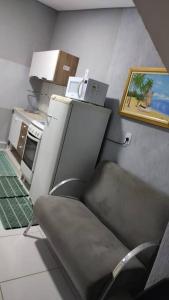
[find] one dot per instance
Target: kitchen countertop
(39, 116)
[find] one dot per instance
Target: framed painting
(146, 96)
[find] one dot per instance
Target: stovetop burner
(39, 124)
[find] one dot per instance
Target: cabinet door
(67, 66)
(15, 129)
(44, 64)
(22, 139)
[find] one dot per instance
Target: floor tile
(43, 286)
(42, 233)
(1, 295)
(21, 256)
(18, 231)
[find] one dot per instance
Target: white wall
(13, 84)
(25, 26)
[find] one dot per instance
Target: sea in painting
(148, 95)
(160, 105)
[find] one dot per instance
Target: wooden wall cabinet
(22, 139)
(54, 66)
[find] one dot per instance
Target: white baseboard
(3, 145)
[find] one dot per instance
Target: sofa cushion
(87, 249)
(131, 209)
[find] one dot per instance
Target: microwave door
(78, 89)
(74, 87)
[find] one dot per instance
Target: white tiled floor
(43, 286)
(20, 231)
(1, 295)
(22, 256)
(29, 270)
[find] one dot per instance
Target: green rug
(6, 168)
(11, 187)
(15, 212)
(15, 205)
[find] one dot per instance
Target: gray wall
(89, 35)
(109, 42)
(157, 22)
(25, 26)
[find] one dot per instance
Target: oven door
(29, 156)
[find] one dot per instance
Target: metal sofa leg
(29, 226)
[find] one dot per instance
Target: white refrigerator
(70, 144)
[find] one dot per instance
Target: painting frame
(142, 115)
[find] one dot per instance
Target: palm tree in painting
(136, 87)
(146, 92)
(140, 86)
(138, 80)
(130, 93)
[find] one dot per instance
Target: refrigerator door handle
(49, 118)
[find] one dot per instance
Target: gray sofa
(116, 213)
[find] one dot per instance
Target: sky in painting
(160, 87)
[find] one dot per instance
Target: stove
(34, 135)
(39, 124)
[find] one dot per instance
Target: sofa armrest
(63, 183)
(139, 249)
(158, 291)
(121, 265)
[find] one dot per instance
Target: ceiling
(87, 4)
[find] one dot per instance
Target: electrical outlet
(128, 137)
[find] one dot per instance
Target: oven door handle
(32, 138)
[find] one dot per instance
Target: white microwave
(88, 90)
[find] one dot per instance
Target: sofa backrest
(130, 208)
